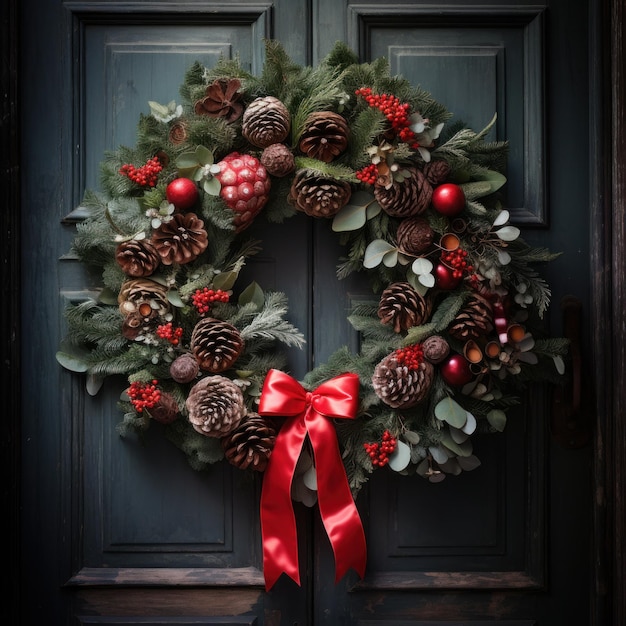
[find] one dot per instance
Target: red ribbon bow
(309, 413)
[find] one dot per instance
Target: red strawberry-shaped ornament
(182, 193)
(245, 186)
(448, 199)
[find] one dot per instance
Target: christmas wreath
(453, 332)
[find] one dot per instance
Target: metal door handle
(569, 425)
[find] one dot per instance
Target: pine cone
(215, 344)
(474, 320)
(408, 198)
(414, 235)
(402, 307)
(178, 133)
(216, 406)
(184, 369)
(435, 349)
(266, 121)
(436, 172)
(278, 160)
(222, 100)
(165, 410)
(317, 196)
(181, 240)
(251, 443)
(325, 136)
(400, 387)
(137, 258)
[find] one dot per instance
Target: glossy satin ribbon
(309, 413)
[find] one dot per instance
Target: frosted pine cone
(137, 258)
(401, 385)
(402, 307)
(266, 121)
(181, 240)
(278, 160)
(474, 320)
(414, 236)
(215, 344)
(251, 443)
(216, 406)
(407, 198)
(318, 196)
(325, 136)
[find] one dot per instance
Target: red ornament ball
(456, 370)
(448, 199)
(182, 193)
(445, 278)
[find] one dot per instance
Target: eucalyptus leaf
(375, 252)
(460, 449)
(252, 294)
(173, 297)
(428, 280)
(470, 425)
(559, 364)
(447, 410)
(495, 179)
(451, 466)
(504, 258)
(373, 209)
(212, 186)
(422, 266)
(400, 458)
(438, 454)
(468, 463)
(349, 217)
(502, 219)
(391, 258)
(204, 156)
(72, 362)
(94, 384)
(411, 436)
(497, 419)
(225, 280)
(187, 160)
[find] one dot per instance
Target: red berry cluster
(411, 356)
(457, 261)
(146, 175)
(144, 395)
(380, 452)
(368, 174)
(395, 111)
(203, 299)
(167, 331)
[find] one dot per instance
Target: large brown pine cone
(251, 443)
(181, 240)
(407, 198)
(318, 196)
(266, 121)
(222, 99)
(414, 235)
(402, 307)
(215, 344)
(474, 320)
(325, 136)
(399, 386)
(137, 258)
(215, 405)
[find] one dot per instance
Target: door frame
(607, 129)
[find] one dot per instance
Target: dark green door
(123, 533)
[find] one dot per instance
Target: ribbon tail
(278, 521)
(337, 508)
